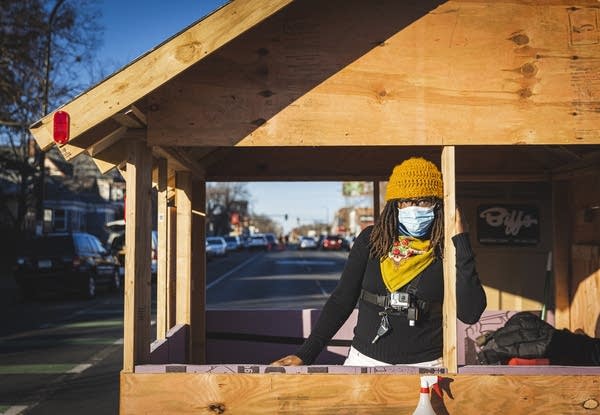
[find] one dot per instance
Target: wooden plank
(585, 309)
(189, 393)
(562, 228)
(138, 226)
(449, 306)
(183, 199)
(162, 250)
(157, 67)
(172, 267)
(399, 73)
(198, 274)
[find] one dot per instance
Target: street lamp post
(45, 103)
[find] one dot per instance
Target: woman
(395, 272)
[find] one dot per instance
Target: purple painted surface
(177, 338)
(159, 351)
(466, 334)
(262, 336)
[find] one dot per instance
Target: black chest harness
(404, 302)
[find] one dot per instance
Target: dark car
(65, 262)
(333, 242)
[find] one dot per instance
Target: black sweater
(402, 344)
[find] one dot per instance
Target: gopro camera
(399, 300)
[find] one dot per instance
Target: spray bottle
(424, 406)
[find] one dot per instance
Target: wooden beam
(138, 226)
(157, 67)
(183, 199)
(172, 267)
(449, 306)
(365, 394)
(112, 156)
(179, 160)
(106, 141)
(562, 215)
(162, 250)
(198, 275)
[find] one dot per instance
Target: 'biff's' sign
(508, 224)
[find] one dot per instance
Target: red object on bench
(518, 361)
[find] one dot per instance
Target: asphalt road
(63, 355)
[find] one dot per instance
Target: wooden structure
(504, 96)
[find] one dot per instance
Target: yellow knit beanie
(413, 179)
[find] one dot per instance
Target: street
(63, 355)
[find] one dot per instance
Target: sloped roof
(289, 89)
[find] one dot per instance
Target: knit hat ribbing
(413, 179)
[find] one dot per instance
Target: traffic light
(285, 216)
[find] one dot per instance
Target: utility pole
(45, 98)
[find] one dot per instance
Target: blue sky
(134, 27)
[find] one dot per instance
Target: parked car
(233, 243)
(117, 248)
(258, 241)
(215, 246)
(306, 242)
(60, 262)
(333, 242)
(272, 240)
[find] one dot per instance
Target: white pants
(356, 358)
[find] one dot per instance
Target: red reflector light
(61, 127)
(76, 262)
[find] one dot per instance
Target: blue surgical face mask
(416, 221)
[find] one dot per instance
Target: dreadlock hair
(385, 231)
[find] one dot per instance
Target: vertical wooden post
(138, 228)
(183, 199)
(162, 325)
(171, 266)
(198, 274)
(561, 252)
(449, 308)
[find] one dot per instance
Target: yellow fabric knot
(408, 257)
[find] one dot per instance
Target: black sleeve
(470, 296)
(570, 349)
(341, 302)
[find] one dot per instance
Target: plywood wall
(513, 276)
(585, 255)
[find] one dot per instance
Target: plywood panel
(466, 72)
(585, 308)
(353, 394)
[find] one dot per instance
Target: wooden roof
(344, 89)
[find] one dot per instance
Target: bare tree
(224, 199)
(45, 47)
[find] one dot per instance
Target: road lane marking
(305, 262)
(80, 368)
(13, 410)
(227, 274)
(38, 369)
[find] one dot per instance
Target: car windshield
(213, 241)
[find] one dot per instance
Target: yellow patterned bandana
(408, 257)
